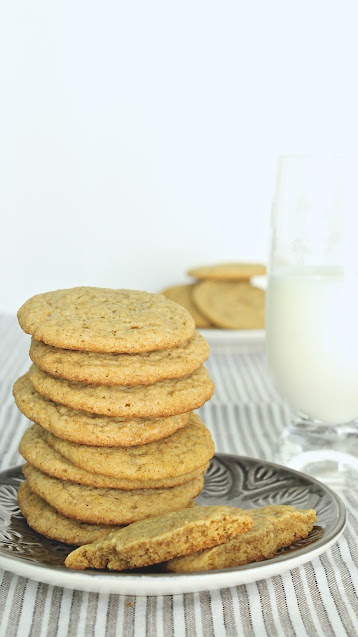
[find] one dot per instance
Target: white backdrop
(141, 138)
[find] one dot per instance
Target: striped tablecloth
(245, 417)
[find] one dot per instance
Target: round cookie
(182, 294)
(91, 429)
(228, 271)
(121, 369)
(166, 398)
(109, 506)
(34, 448)
(187, 450)
(105, 320)
(44, 519)
(231, 305)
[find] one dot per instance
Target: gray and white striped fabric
(245, 417)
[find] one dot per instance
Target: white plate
(243, 338)
(232, 480)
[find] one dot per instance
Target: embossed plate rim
(143, 584)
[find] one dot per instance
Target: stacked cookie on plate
(115, 378)
(223, 296)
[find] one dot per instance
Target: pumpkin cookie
(228, 271)
(121, 369)
(187, 450)
(159, 538)
(105, 320)
(274, 527)
(109, 506)
(231, 305)
(166, 398)
(182, 294)
(34, 448)
(91, 429)
(44, 519)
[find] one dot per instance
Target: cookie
(182, 294)
(105, 320)
(109, 506)
(187, 450)
(231, 305)
(34, 448)
(166, 398)
(274, 527)
(160, 538)
(91, 429)
(44, 519)
(228, 271)
(121, 369)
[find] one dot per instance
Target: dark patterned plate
(232, 480)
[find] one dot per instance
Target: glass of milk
(312, 314)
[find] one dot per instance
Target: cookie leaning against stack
(116, 375)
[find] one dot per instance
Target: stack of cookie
(115, 378)
(223, 296)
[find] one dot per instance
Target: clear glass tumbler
(312, 314)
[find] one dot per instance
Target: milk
(312, 341)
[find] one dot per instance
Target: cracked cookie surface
(35, 450)
(91, 429)
(166, 398)
(105, 320)
(44, 519)
(187, 450)
(121, 369)
(109, 506)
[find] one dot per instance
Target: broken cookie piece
(161, 538)
(275, 527)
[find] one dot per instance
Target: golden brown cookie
(44, 519)
(91, 429)
(166, 398)
(109, 506)
(231, 305)
(121, 369)
(105, 320)
(182, 294)
(160, 538)
(187, 450)
(228, 271)
(274, 527)
(34, 448)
